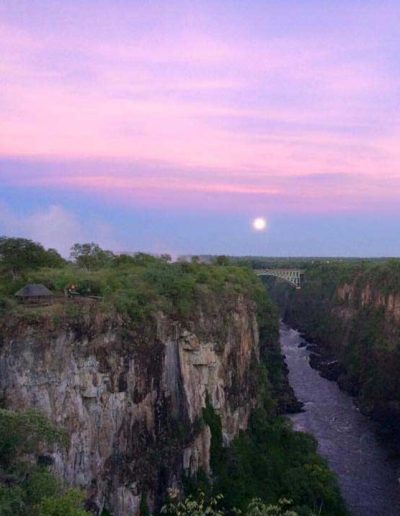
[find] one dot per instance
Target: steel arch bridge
(291, 276)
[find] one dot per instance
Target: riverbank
(368, 477)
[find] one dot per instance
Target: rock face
(354, 326)
(353, 298)
(132, 401)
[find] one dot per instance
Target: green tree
(191, 506)
(201, 506)
(20, 254)
(166, 257)
(258, 508)
(41, 484)
(222, 260)
(53, 258)
(91, 256)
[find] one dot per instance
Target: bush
(69, 504)
(25, 487)
(23, 433)
(11, 500)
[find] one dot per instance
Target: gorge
(161, 376)
(349, 314)
(367, 473)
(169, 378)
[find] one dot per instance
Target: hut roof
(34, 290)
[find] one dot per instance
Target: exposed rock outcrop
(132, 401)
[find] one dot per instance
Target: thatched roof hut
(34, 292)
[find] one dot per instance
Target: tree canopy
(20, 254)
(91, 256)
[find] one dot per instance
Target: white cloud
(54, 227)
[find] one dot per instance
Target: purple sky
(169, 126)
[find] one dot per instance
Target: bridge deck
(292, 276)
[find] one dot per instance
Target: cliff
(351, 313)
(131, 399)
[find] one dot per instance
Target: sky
(169, 126)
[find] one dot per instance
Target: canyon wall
(131, 400)
(351, 313)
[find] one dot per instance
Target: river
(367, 476)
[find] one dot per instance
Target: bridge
(292, 276)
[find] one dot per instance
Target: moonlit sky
(168, 126)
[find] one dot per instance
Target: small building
(35, 293)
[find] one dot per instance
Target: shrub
(25, 487)
(68, 504)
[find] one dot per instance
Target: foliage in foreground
(199, 506)
(271, 462)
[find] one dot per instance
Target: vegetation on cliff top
(135, 286)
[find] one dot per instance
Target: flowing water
(368, 477)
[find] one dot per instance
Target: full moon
(259, 224)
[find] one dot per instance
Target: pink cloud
(154, 185)
(254, 109)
